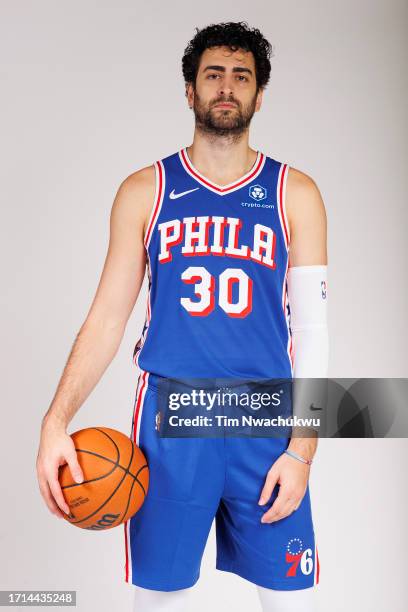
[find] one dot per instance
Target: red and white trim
(142, 385)
(158, 201)
(222, 189)
(289, 345)
(281, 200)
(316, 566)
(139, 403)
(154, 215)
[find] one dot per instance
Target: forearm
(94, 348)
(304, 446)
(311, 349)
(308, 298)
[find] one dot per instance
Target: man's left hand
(292, 477)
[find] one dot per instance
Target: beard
(223, 122)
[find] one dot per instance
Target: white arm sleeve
(307, 295)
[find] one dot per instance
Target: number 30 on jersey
(210, 289)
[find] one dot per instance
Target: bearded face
(223, 116)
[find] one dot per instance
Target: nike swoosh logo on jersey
(174, 196)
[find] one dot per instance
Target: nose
(225, 87)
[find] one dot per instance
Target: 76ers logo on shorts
(299, 558)
(257, 192)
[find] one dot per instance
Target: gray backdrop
(93, 91)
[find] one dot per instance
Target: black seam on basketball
(128, 502)
(144, 466)
(122, 468)
(78, 484)
(100, 457)
(130, 495)
(115, 465)
(111, 495)
(110, 438)
(133, 476)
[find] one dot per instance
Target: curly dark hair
(236, 35)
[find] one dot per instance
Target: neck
(222, 159)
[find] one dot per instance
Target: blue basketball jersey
(217, 262)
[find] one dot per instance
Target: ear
(190, 94)
(259, 98)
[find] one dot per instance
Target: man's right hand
(100, 335)
(56, 448)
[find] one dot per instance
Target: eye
(242, 78)
(210, 76)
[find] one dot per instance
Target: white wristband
(298, 457)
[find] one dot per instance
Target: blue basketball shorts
(194, 480)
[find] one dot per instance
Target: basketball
(116, 479)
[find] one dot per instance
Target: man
(214, 224)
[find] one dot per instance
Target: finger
(55, 509)
(75, 468)
(270, 483)
(46, 494)
(274, 513)
(299, 499)
(57, 491)
(284, 495)
(284, 509)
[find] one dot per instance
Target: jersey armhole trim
(281, 199)
(157, 203)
